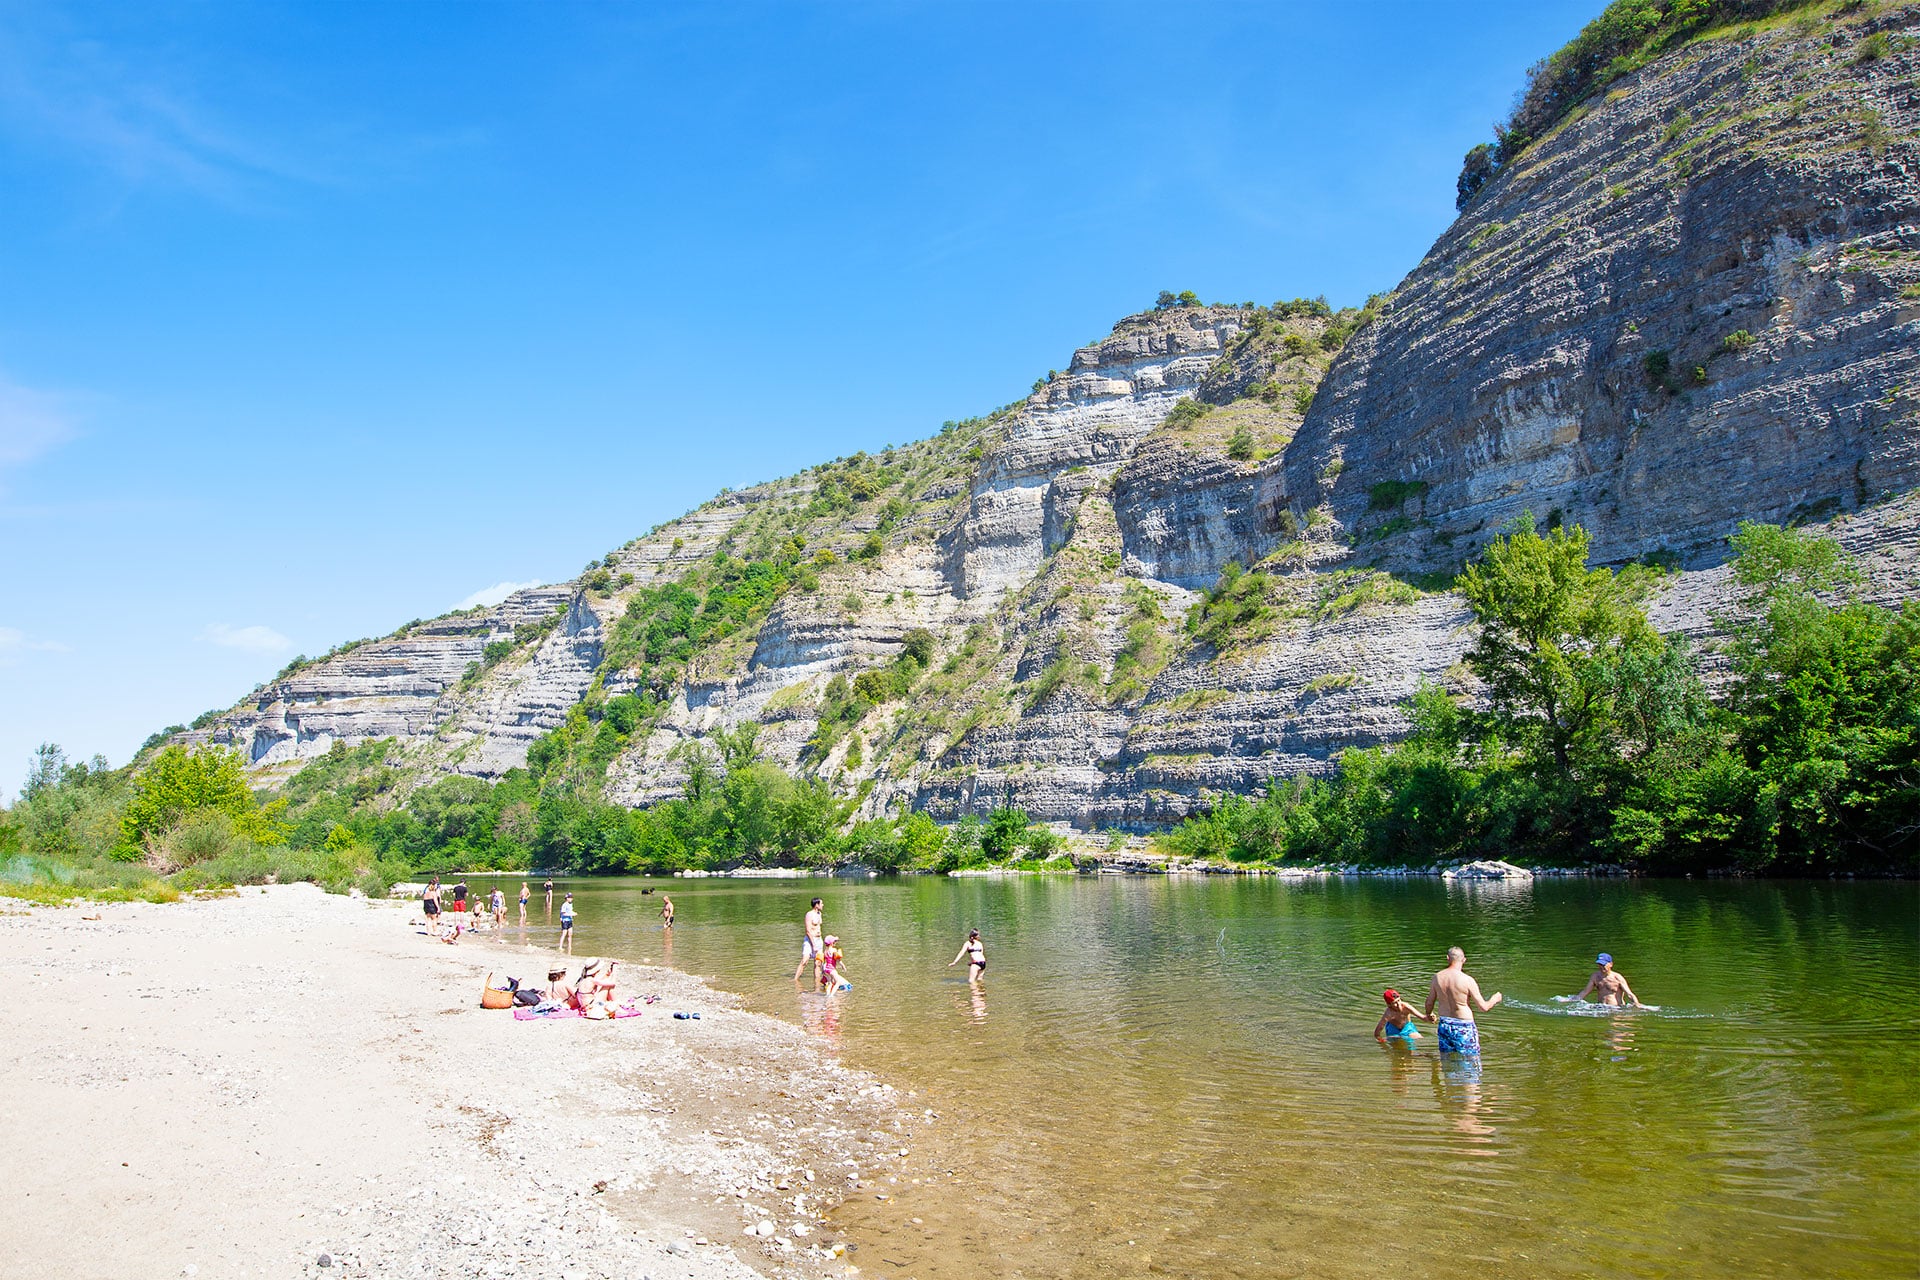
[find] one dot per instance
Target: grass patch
(1390, 495)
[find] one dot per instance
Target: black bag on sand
(528, 998)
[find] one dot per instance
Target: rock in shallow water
(1489, 871)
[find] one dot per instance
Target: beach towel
(626, 1010)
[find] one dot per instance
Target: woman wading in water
(974, 954)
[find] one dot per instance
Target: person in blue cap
(1611, 986)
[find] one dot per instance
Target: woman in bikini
(974, 953)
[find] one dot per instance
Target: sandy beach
(279, 1082)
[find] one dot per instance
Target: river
(1178, 1075)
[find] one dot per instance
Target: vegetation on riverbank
(1596, 740)
(85, 830)
(1593, 740)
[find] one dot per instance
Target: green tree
(179, 783)
(1006, 832)
(1553, 637)
(1828, 704)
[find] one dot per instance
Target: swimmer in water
(1397, 1022)
(1610, 985)
(974, 953)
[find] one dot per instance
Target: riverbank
(284, 1082)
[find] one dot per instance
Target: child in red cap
(1398, 1020)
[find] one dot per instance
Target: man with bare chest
(1611, 987)
(1454, 993)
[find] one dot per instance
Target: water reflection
(1620, 1037)
(1457, 1087)
(820, 1015)
(1402, 1061)
(1497, 893)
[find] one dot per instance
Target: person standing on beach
(1611, 985)
(666, 912)
(566, 924)
(810, 944)
(524, 895)
(430, 903)
(499, 907)
(1455, 992)
(976, 956)
(460, 897)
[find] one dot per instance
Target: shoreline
(1147, 866)
(248, 1083)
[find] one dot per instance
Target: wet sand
(281, 1082)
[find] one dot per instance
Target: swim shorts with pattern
(1459, 1035)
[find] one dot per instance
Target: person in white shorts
(810, 945)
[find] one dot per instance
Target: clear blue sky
(317, 318)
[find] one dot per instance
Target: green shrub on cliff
(1626, 36)
(1186, 413)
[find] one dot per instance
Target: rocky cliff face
(1696, 302)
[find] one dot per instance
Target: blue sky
(317, 318)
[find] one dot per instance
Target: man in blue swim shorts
(1454, 993)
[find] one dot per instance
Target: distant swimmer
(1397, 1022)
(1456, 993)
(1610, 985)
(666, 912)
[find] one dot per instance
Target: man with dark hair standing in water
(810, 945)
(1455, 993)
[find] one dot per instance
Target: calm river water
(1178, 1076)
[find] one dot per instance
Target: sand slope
(234, 1086)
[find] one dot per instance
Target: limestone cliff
(1697, 301)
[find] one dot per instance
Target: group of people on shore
(451, 911)
(591, 994)
(1455, 994)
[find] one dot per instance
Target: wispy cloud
(14, 642)
(247, 639)
(137, 113)
(31, 423)
(494, 594)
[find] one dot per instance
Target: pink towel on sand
(628, 1010)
